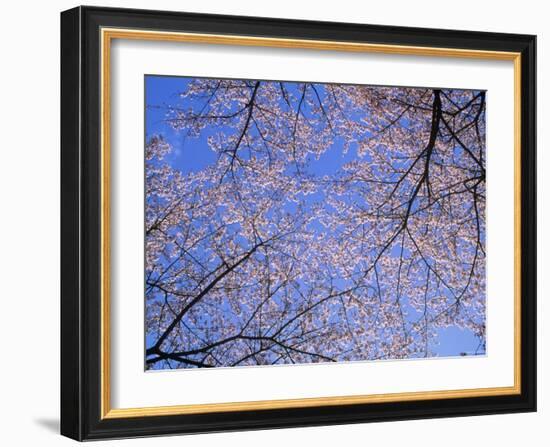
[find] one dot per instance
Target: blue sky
(193, 154)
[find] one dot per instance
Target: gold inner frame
(107, 35)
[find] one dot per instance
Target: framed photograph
(276, 223)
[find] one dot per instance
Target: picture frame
(87, 325)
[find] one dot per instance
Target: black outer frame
(80, 223)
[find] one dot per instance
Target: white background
(29, 317)
(132, 387)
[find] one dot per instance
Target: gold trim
(105, 224)
(107, 34)
(119, 33)
(304, 403)
(517, 222)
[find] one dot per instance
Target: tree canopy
(335, 223)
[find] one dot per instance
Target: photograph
(297, 222)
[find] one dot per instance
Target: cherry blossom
(273, 255)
